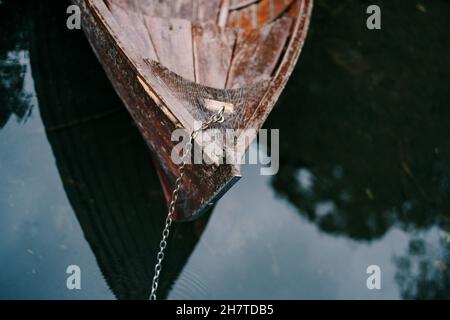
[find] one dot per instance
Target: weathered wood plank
(172, 39)
(208, 10)
(138, 20)
(296, 7)
(213, 50)
(238, 4)
(123, 20)
(248, 17)
(149, 7)
(156, 8)
(257, 53)
(233, 20)
(250, 14)
(135, 30)
(278, 7)
(194, 10)
(224, 13)
(124, 4)
(264, 13)
(184, 9)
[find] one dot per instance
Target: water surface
(364, 176)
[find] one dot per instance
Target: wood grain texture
(153, 8)
(213, 50)
(132, 36)
(296, 8)
(139, 25)
(193, 10)
(185, 9)
(246, 14)
(257, 53)
(238, 4)
(208, 10)
(172, 39)
(249, 17)
(133, 25)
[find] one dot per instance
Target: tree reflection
(423, 273)
(13, 45)
(364, 127)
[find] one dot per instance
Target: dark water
(364, 176)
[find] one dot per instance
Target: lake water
(364, 173)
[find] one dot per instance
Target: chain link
(216, 118)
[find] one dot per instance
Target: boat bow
(174, 63)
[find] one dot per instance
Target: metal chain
(216, 118)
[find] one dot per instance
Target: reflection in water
(366, 147)
(13, 43)
(423, 271)
(103, 162)
(365, 150)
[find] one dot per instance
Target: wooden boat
(174, 63)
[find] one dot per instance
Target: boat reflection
(104, 164)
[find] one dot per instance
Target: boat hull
(203, 184)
